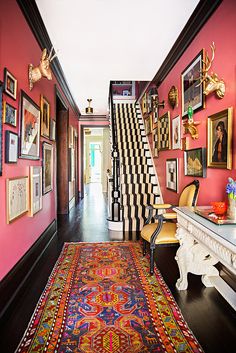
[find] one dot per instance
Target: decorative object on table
(155, 142)
(1, 136)
(42, 70)
(212, 82)
(172, 174)
(9, 114)
(148, 124)
(192, 91)
(154, 324)
(36, 203)
(173, 97)
(45, 117)
(164, 137)
(195, 162)
(219, 150)
(30, 128)
(11, 147)
(17, 197)
(10, 84)
(176, 133)
(219, 207)
(52, 130)
(231, 191)
(47, 167)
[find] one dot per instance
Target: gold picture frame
(47, 167)
(148, 124)
(164, 138)
(219, 146)
(17, 197)
(45, 117)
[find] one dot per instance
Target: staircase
(138, 182)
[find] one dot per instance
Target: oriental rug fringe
(100, 298)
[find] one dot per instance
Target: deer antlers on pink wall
(43, 70)
(212, 82)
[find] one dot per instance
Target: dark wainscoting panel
(13, 284)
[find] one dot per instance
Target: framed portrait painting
(11, 147)
(176, 133)
(172, 174)
(45, 117)
(17, 197)
(195, 162)
(36, 203)
(10, 84)
(219, 146)
(47, 167)
(192, 89)
(164, 132)
(30, 128)
(9, 114)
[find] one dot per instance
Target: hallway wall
(18, 48)
(221, 29)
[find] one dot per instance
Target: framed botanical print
(11, 147)
(155, 142)
(195, 162)
(36, 203)
(9, 114)
(45, 117)
(172, 174)
(1, 89)
(176, 133)
(10, 84)
(17, 197)
(47, 167)
(164, 132)
(192, 89)
(30, 128)
(219, 149)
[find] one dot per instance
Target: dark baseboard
(13, 284)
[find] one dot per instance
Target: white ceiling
(102, 40)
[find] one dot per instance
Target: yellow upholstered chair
(163, 230)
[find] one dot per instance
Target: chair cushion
(166, 236)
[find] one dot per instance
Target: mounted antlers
(43, 70)
(212, 82)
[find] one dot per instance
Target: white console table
(202, 245)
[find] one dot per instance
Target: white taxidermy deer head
(212, 82)
(43, 70)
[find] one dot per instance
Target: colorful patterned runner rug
(100, 298)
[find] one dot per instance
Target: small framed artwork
(184, 143)
(176, 133)
(45, 117)
(195, 162)
(36, 202)
(11, 147)
(192, 89)
(17, 197)
(219, 149)
(52, 130)
(172, 174)
(30, 126)
(10, 84)
(47, 167)
(144, 103)
(148, 124)
(1, 89)
(9, 114)
(164, 132)
(155, 142)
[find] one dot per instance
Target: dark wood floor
(209, 316)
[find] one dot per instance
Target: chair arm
(160, 206)
(170, 215)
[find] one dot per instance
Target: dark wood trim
(59, 95)
(201, 14)
(12, 285)
(32, 15)
(93, 118)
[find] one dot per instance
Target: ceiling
(102, 40)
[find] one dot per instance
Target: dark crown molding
(201, 14)
(35, 22)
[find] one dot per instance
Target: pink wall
(221, 29)
(18, 48)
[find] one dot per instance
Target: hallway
(210, 318)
